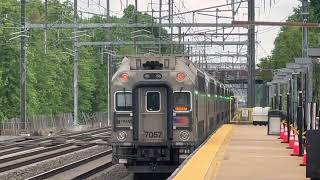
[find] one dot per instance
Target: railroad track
(49, 141)
(81, 169)
(84, 161)
(13, 157)
(39, 151)
(8, 144)
(10, 165)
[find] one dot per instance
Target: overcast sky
(279, 11)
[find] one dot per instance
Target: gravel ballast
(43, 166)
(115, 172)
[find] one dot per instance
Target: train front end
(152, 113)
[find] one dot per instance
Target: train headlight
(124, 77)
(184, 135)
(180, 76)
(122, 136)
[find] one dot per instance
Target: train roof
(127, 64)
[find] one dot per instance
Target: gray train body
(162, 109)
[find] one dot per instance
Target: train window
(212, 88)
(123, 101)
(138, 63)
(201, 84)
(197, 108)
(166, 63)
(182, 101)
(153, 101)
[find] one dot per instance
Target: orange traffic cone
(291, 140)
(281, 134)
(285, 136)
(304, 158)
(296, 149)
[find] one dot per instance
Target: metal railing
(243, 115)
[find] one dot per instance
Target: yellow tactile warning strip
(203, 165)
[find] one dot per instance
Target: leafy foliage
(288, 44)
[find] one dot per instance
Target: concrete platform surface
(253, 155)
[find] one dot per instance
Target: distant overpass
(224, 66)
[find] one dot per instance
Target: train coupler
(153, 164)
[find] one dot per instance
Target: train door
(152, 114)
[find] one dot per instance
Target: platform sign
(245, 112)
(274, 125)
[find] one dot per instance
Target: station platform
(242, 152)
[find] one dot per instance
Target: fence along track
(36, 122)
(73, 165)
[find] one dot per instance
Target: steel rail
(56, 147)
(20, 156)
(19, 149)
(93, 171)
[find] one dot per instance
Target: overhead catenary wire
(179, 18)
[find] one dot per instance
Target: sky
(278, 11)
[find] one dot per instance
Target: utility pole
(251, 55)
(75, 63)
(170, 10)
(23, 67)
(136, 13)
(46, 26)
(108, 10)
(205, 58)
(160, 22)
(135, 21)
(305, 16)
(308, 90)
(109, 64)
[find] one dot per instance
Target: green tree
(288, 44)
(49, 75)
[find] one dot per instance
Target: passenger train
(162, 109)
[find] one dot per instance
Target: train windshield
(153, 101)
(182, 101)
(124, 101)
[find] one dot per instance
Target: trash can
(274, 121)
(313, 154)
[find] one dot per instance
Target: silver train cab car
(162, 109)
